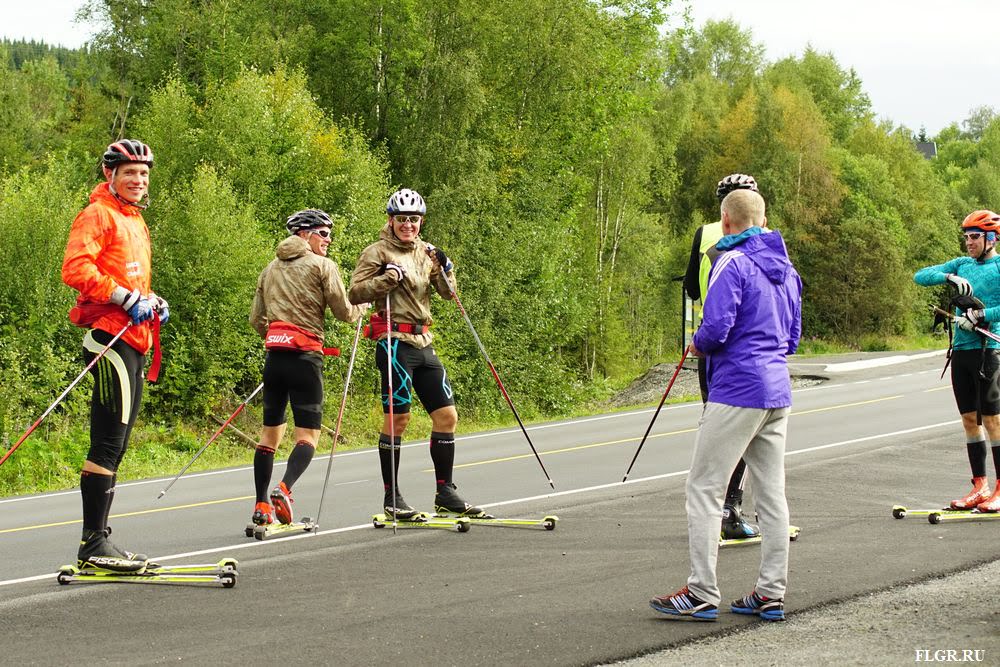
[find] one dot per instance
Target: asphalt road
(862, 441)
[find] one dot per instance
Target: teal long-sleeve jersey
(985, 280)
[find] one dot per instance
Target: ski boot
(97, 553)
(980, 494)
(262, 514)
(734, 527)
(122, 552)
(993, 503)
(281, 498)
(398, 508)
(448, 502)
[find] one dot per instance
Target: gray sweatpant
(725, 433)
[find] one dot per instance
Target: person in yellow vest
(703, 255)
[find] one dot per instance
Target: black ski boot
(97, 553)
(398, 508)
(447, 501)
(128, 555)
(734, 526)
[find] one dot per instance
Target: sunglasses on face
(322, 231)
(974, 236)
(403, 219)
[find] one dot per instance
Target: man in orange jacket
(108, 261)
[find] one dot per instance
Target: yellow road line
(658, 435)
(118, 516)
(947, 386)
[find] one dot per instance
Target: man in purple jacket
(751, 322)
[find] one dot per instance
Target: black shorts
(118, 382)
(414, 370)
(968, 384)
(296, 377)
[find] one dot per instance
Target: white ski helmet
(406, 201)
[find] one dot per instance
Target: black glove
(442, 259)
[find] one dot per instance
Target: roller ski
(547, 522)
(262, 525)
(793, 535)
(423, 520)
(978, 501)
(941, 516)
(398, 513)
(901, 511)
(223, 573)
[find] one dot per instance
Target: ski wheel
(249, 530)
(259, 532)
(64, 577)
(898, 512)
(377, 523)
(934, 517)
(549, 524)
(228, 579)
(307, 524)
(228, 563)
(463, 526)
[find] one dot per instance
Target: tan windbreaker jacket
(410, 300)
(297, 287)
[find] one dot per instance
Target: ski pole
(496, 376)
(52, 407)
(212, 439)
(657, 412)
(340, 417)
(392, 423)
(986, 332)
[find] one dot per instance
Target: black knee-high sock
(298, 462)
(996, 459)
(443, 456)
(734, 494)
(385, 453)
(95, 493)
(263, 465)
(977, 457)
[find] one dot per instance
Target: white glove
(396, 270)
(976, 316)
(962, 286)
(965, 323)
(161, 307)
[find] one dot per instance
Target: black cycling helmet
(127, 150)
(734, 182)
(406, 201)
(310, 218)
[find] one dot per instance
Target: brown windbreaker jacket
(297, 287)
(410, 300)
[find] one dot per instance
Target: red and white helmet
(127, 150)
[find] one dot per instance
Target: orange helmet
(987, 221)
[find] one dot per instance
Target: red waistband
(287, 336)
(377, 327)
